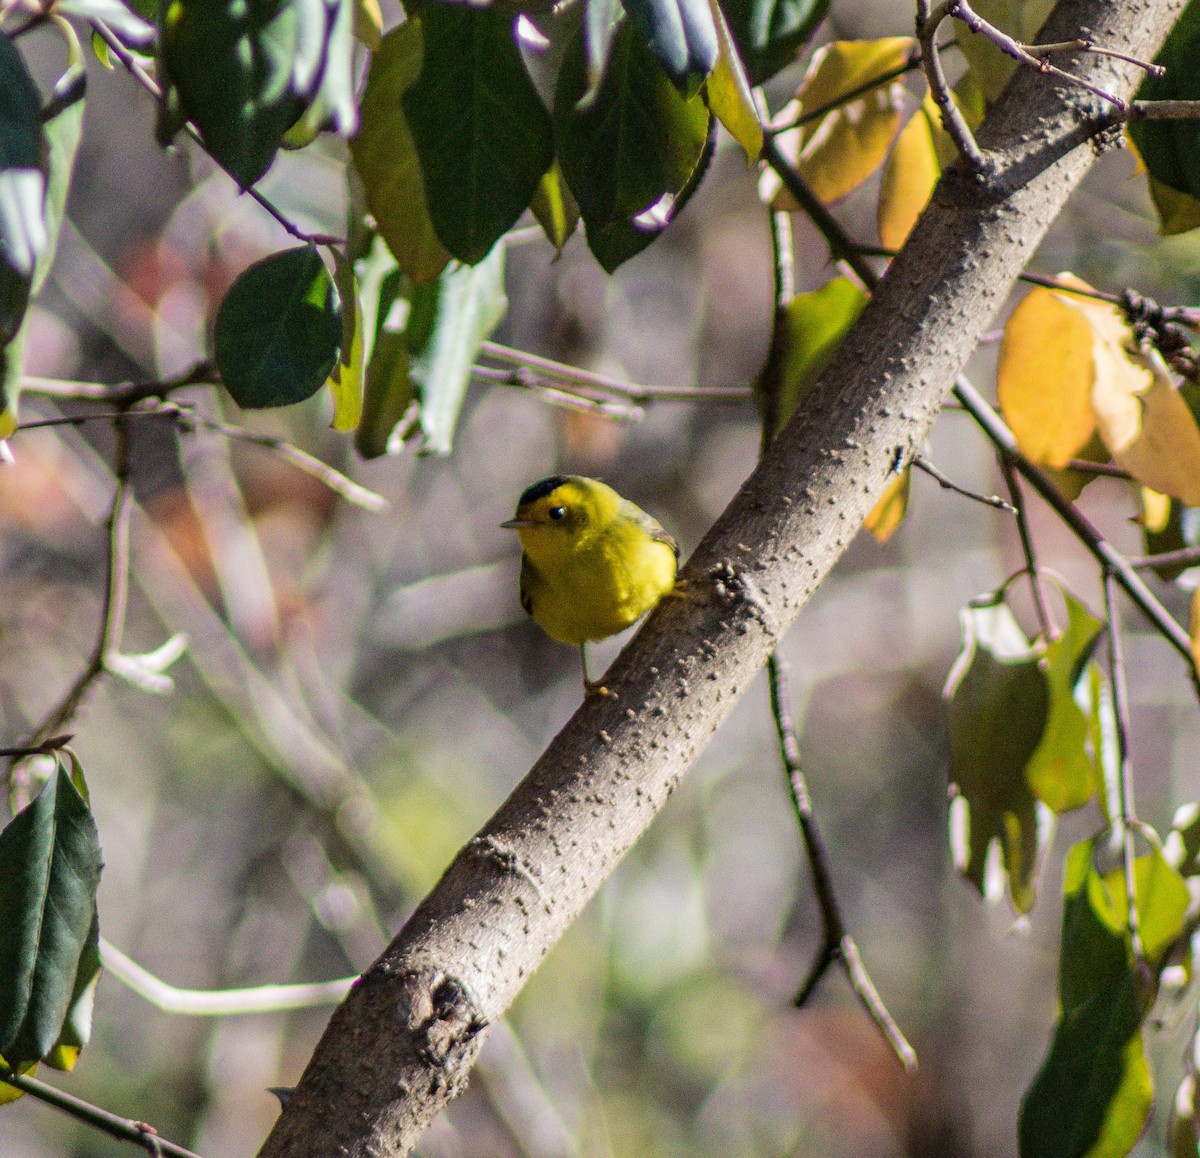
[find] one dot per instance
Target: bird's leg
(592, 687)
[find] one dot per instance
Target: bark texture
(402, 1043)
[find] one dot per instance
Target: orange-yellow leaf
(1156, 511)
(889, 512)
(840, 149)
(1165, 454)
(909, 176)
(1045, 375)
(1194, 628)
(727, 91)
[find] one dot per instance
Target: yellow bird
(592, 562)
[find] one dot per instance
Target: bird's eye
(557, 513)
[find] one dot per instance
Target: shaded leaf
(681, 35)
(999, 701)
(990, 65)
(728, 94)
(770, 33)
(1061, 773)
(483, 136)
(49, 871)
(630, 155)
(1183, 1134)
(386, 160)
(448, 320)
(77, 1028)
(838, 150)
(1183, 840)
(278, 330)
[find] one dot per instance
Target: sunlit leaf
(49, 871)
(386, 160)
(806, 336)
(1161, 902)
(349, 372)
(450, 317)
(841, 148)
(1045, 375)
(278, 329)
(483, 136)
(368, 23)
(728, 94)
(770, 33)
(999, 702)
(888, 513)
(631, 156)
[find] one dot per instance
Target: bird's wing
(524, 584)
(651, 526)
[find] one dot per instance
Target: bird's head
(567, 506)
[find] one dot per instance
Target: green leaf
(810, 329)
(727, 92)
(448, 320)
(1161, 902)
(631, 155)
(1170, 150)
(346, 381)
(389, 393)
(1093, 1094)
(1095, 951)
(386, 160)
(77, 1028)
(999, 701)
(278, 330)
(1061, 773)
(483, 135)
(333, 101)
(770, 33)
(682, 36)
(600, 21)
(49, 870)
(243, 73)
(1183, 840)
(130, 27)
(555, 208)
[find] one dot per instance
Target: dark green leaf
(386, 160)
(1094, 954)
(1061, 773)
(770, 33)
(1093, 1093)
(278, 330)
(49, 871)
(450, 317)
(600, 21)
(77, 1028)
(681, 34)
(483, 136)
(1171, 149)
(999, 702)
(243, 73)
(634, 154)
(388, 396)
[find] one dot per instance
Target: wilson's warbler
(593, 562)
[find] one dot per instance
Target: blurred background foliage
(361, 691)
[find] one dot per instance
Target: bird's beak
(517, 524)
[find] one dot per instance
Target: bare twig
(1041, 607)
(1126, 819)
(807, 116)
(115, 592)
(838, 945)
(121, 394)
(994, 501)
(125, 1129)
(955, 123)
(46, 748)
(1163, 111)
(1041, 51)
(137, 70)
(1184, 557)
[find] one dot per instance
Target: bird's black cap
(540, 490)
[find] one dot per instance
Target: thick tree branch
(403, 1042)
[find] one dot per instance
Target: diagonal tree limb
(404, 1040)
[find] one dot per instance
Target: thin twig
(807, 116)
(955, 123)
(994, 501)
(219, 1002)
(1127, 818)
(122, 394)
(1184, 557)
(838, 945)
(1041, 51)
(1041, 607)
(1105, 469)
(116, 590)
(1163, 111)
(46, 748)
(125, 1129)
(136, 69)
(521, 378)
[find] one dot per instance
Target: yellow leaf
(840, 149)
(1045, 375)
(555, 208)
(727, 91)
(1165, 453)
(889, 512)
(1156, 510)
(368, 23)
(909, 176)
(346, 381)
(1194, 628)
